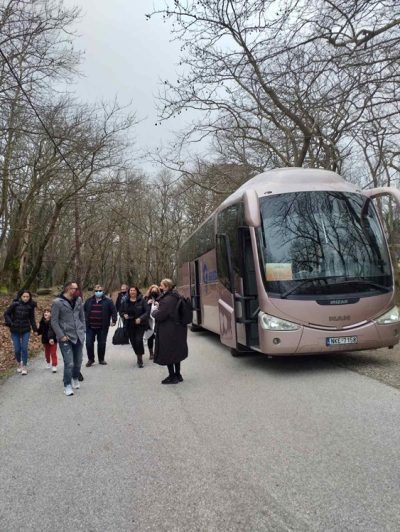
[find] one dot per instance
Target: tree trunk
(78, 256)
(39, 259)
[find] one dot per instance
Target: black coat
(120, 297)
(171, 337)
(138, 309)
(20, 316)
(46, 330)
(108, 311)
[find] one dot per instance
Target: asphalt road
(242, 444)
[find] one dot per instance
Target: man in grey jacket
(68, 322)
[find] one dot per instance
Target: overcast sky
(126, 56)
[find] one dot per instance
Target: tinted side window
(229, 220)
(199, 243)
(223, 251)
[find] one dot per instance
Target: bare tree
(283, 83)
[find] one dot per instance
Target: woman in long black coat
(171, 337)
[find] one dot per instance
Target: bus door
(247, 305)
(226, 301)
(195, 291)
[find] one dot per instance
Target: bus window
(229, 221)
(332, 240)
(224, 266)
(198, 244)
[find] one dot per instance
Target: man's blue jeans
(72, 355)
(20, 341)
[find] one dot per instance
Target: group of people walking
(70, 322)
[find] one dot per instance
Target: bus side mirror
(384, 191)
(252, 214)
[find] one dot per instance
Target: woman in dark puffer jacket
(135, 312)
(20, 318)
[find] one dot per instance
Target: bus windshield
(323, 243)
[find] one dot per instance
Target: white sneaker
(48, 366)
(19, 369)
(24, 371)
(54, 369)
(68, 390)
(76, 384)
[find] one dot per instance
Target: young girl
(48, 340)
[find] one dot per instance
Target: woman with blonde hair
(171, 338)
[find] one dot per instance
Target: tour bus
(294, 262)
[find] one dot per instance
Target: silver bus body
(294, 262)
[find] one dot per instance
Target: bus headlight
(271, 323)
(392, 316)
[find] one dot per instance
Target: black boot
(171, 379)
(140, 361)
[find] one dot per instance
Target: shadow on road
(382, 365)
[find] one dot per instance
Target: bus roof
(281, 180)
(291, 180)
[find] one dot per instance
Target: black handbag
(120, 336)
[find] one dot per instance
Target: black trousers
(174, 370)
(136, 338)
(91, 336)
(150, 341)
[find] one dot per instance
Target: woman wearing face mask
(153, 293)
(20, 318)
(135, 311)
(99, 311)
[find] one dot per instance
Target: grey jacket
(68, 321)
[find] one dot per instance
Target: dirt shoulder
(382, 364)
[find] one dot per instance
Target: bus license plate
(341, 340)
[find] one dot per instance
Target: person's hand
(51, 342)
(36, 333)
(64, 339)
(137, 321)
(156, 304)
(126, 316)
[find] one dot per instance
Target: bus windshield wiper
(365, 282)
(344, 281)
(303, 282)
